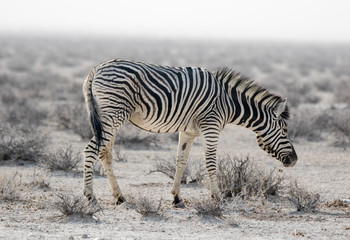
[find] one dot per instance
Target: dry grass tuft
(303, 200)
(17, 144)
(63, 159)
(241, 177)
(73, 205)
(194, 171)
(40, 179)
(10, 187)
(342, 92)
(310, 123)
(306, 123)
(74, 117)
(208, 207)
(145, 206)
(341, 126)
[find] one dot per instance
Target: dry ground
(321, 169)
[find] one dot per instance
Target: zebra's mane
(231, 79)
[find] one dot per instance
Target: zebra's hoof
(178, 203)
(217, 197)
(119, 200)
(91, 198)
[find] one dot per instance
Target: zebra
(190, 100)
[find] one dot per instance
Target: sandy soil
(321, 169)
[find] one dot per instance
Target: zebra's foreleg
(183, 150)
(210, 142)
(90, 156)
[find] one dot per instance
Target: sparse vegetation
(300, 93)
(40, 179)
(145, 205)
(74, 117)
(342, 92)
(24, 114)
(310, 124)
(341, 126)
(22, 144)
(207, 207)
(302, 124)
(72, 205)
(302, 199)
(63, 159)
(10, 187)
(194, 171)
(242, 177)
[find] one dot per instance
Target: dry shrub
(23, 113)
(145, 206)
(19, 105)
(22, 144)
(74, 116)
(194, 171)
(300, 93)
(306, 123)
(324, 85)
(63, 159)
(40, 179)
(341, 126)
(334, 121)
(303, 200)
(342, 92)
(241, 177)
(10, 187)
(73, 205)
(208, 207)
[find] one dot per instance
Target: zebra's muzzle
(291, 159)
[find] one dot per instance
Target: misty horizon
(298, 21)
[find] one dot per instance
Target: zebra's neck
(248, 111)
(248, 104)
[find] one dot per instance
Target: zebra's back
(159, 98)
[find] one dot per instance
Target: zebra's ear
(281, 107)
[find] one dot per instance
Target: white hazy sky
(294, 20)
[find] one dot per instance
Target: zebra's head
(274, 137)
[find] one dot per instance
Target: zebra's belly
(161, 126)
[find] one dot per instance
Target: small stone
(84, 236)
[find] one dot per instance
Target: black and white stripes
(190, 100)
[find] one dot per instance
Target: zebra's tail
(93, 111)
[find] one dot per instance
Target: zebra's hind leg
(106, 159)
(183, 150)
(90, 157)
